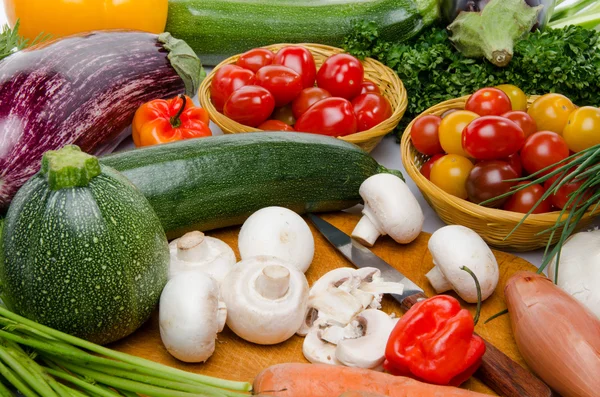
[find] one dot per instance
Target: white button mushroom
(390, 208)
(278, 232)
(317, 350)
(453, 247)
(190, 316)
(195, 251)
(579, 269)
(266, 299)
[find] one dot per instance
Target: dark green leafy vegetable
(10, 41)
(556, 60)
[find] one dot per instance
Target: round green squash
(84, 252)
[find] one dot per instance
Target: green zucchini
(217, 29)
(213, 182)
(84, 252)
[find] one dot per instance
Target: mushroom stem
(438, 281)
(273, 282)
(366, 232)
(221, 315)
(190, 247)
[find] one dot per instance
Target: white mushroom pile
(343, 324)
(454, 247)
(390, 208)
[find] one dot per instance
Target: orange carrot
(322, 380)
(361, 394)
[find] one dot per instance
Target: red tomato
(300, 60)
(284, 114)
(250, 105)
(514, 160)
(426, 168)
(523, 120)
(275, 125)
(424, 134)
(370, 109)
(255, 59)
(488, 179)
(492, 137)
(368, 86)
(341, 75)
(227, 79)
(489, 102)
(308, 97)
(562, 196)
(330, 116)
(524, 200)
(543, 149)
(284, 83)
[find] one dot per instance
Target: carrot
(322, 380)
(361, 394)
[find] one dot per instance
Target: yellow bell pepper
(64, 17)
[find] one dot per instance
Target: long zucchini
(217, 29)
(219, 181)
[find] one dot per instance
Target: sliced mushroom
(266, 299)
(390, 208)
(278, 232)
(318, 351)
(196, 251)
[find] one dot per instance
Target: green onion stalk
(40, 361)
(583, 168)
(585, 13)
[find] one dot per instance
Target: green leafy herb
(11, 41)
(555, 60)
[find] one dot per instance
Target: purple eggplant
(83, 90)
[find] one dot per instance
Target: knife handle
(497, 370)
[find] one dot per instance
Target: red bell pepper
(163, 121)
(434, 342)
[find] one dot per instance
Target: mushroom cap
(391, 207)
(579, 269)
(256, 318)
(218, 261)
(455, 246)
(278, 232)
(188, 316)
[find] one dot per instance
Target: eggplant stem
(478, 287)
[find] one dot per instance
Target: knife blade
(497, 370)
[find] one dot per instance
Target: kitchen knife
(497, 370)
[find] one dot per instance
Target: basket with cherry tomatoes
(475, 160)
(305, 88)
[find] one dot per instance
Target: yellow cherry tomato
(551, 112)
(451, 128)
(64, 17)
(583, 128)
(450, 174)
(517, 97)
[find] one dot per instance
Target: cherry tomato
(488, 179)
(551, 112)
(517, 97)
(523, 120)
(524, 200)
(514, 160)
(368, 86)
(227, 79)
(561, 197)
(450, 174)
(275, 125)
(370, 109)
(308, 97)
(489, 102)
(255, 59)
(543, 149)
(250, 105)
(282, 82)
(341, 75)
(300, 60)
(583, 128)
(451, 129)
(492, 138)
(330, 116)
(284, 114)
(426, 168)
(424, 134)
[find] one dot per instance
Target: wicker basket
(388, 82)
(493, 225)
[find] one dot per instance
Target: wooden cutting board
(237, 359)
